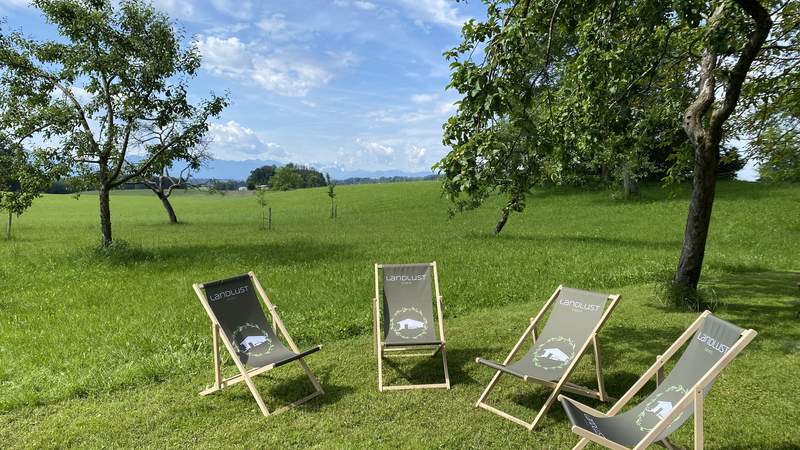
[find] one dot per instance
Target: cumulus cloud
(364, 5)
(429, 110)
(278, 71)
(234, 142)
(439, 12)
(385, 154)
(241, 9)
(288, 76)
(224, 56)
(423, 98)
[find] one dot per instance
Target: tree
(772, 101)
(23, 178)
(590, 85)
(295, 176)
(287, 178)
(331, 194)
(158, 178)
(115, 74)
(260, 177)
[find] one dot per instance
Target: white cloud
(440, 12)
(175, 8)
(283, 73)
(423, 98)
(224, 56)
(273, 24)
(288, 76)
(234, 142)
(427, 111)
(241, 9)
(385, 154)
(364, 5)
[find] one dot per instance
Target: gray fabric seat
(566, 330)
(404, 324)
(407, 306)
(238, 320)
(575, 318)
(709, 344)
(243, 321)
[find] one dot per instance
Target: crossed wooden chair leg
(246, 376)
(398, 352)
(561, 385)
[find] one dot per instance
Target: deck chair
(407, 318)
(714, 344)
(574, 321)
(238, 320)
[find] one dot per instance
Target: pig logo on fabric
(252, 340)
(555, 353)
(659, 407)
(409, 323)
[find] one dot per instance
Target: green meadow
(112, 351)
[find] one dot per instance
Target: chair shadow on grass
(418, 370)
(278, 390)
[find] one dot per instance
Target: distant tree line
(284, 178)
(396, 179)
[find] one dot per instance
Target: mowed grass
(107, 353)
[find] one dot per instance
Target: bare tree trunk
(630, 186)
(705, 133)
(698, 221)
(105, 216)
(168, 206)
(502, 222)
(8, 226)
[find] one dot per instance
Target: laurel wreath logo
(241, 333)
(405, 332)
(649, 406)
(566, 344)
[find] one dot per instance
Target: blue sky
(343, 85)
(353, 84)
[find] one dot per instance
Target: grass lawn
(112, 353)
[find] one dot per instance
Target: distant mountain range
(240, 170)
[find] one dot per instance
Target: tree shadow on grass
(601, 241)
(766, 301)
(284, 253)
(290, 252)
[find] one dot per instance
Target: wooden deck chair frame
(245, 374)
(382, 351)
(562, 384)
(694, 395)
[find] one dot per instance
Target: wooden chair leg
(444, 363)
(547, 404)
(489, 388)
(598, 366)
(581, 444)
(215, 343)
(698, 419)
(380, 367)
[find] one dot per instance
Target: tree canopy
(115, 80)
(558, 92)
(284, 178)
